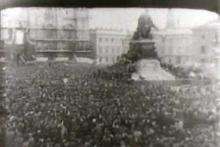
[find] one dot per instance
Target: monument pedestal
(148, 66)
(146, 46)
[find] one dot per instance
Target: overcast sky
(126, 18)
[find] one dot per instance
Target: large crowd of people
(72, 104)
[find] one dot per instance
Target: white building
(207, 45)
(174, 45)
(197, 47)
(109, 45)
(48, 23)
(60, 31)
(70, 23)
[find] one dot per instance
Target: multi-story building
(207, 45)
(109, 45)
(69, 23)
(206, 37)
(174, 45)
(52, 31)
(197, 48)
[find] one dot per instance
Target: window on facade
(98, 50)
(216, 38)
(100, 39)
(203, 60)
(118, 51)
(100, 60)
(163, 39)
(216, 62)
(171, 50)
(203, 50)
(19, 37)
(101, 50)
(112, 50)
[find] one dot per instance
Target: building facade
(174, 45)
(109, 45)
(52, 31)
(207, 45)
(70, 24)
(197, 48)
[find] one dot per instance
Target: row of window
(55, 34)
(111, 50)
(204, 37)
(173, 51)
(170, 50)
(209, 60)
(110, 40)
(183, 60)
(177, 60)
(107, 60)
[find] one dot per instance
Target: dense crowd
(71, 104)
(3, 112)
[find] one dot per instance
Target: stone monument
(148, 66)
(142, 38)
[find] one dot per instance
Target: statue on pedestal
(142, 39)
(145, 24)
(147, 65)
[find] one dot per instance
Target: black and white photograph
(109, 77)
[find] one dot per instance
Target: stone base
(146, 46)
(150, 70)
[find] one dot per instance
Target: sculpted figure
(145, 24)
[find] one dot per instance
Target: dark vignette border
(212, 5)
